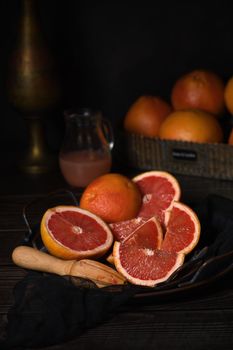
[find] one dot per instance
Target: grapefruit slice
(182, 229)
(69, 232)
(122, 229)
(150, 233)
(139, 259)
(159, 190)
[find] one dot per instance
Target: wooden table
(202, 320)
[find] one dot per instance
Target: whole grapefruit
(199, 89)
(228, 95)
(146, 114)
(191, 125)
(113, 197)
(230, 138)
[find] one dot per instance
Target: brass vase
(33, 87)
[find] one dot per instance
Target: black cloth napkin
(50, 309)
(216, 217)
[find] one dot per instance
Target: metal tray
(199, 270)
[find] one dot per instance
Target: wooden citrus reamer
(95, 271)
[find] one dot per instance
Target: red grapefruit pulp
(149, 234)
(122, 229)
(69, 232)
(159, 190)
(139, 259)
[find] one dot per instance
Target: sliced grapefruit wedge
(182, 229)
(139, 259)
(149, 233)
(122, 229)
(159, 190)
(146, 258)
(69, 232)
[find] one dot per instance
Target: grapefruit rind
(139, 281)
(196, 225)
(59, 250)
(110, 259)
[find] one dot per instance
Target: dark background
(111, 52)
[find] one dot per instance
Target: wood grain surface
(202, 319)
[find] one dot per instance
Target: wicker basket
(186, 158)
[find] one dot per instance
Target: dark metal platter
(199, 270)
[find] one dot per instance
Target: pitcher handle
(108, 132)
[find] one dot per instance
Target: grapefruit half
(139, 259)
(182, 229)
(159, 190)
(69, 232)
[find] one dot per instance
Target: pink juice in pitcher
(79, 168)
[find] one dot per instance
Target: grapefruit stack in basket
(140, 222)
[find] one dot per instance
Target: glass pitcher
(86, 150)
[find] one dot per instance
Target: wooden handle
(34, 259)
(30, 258)
(97, 272)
